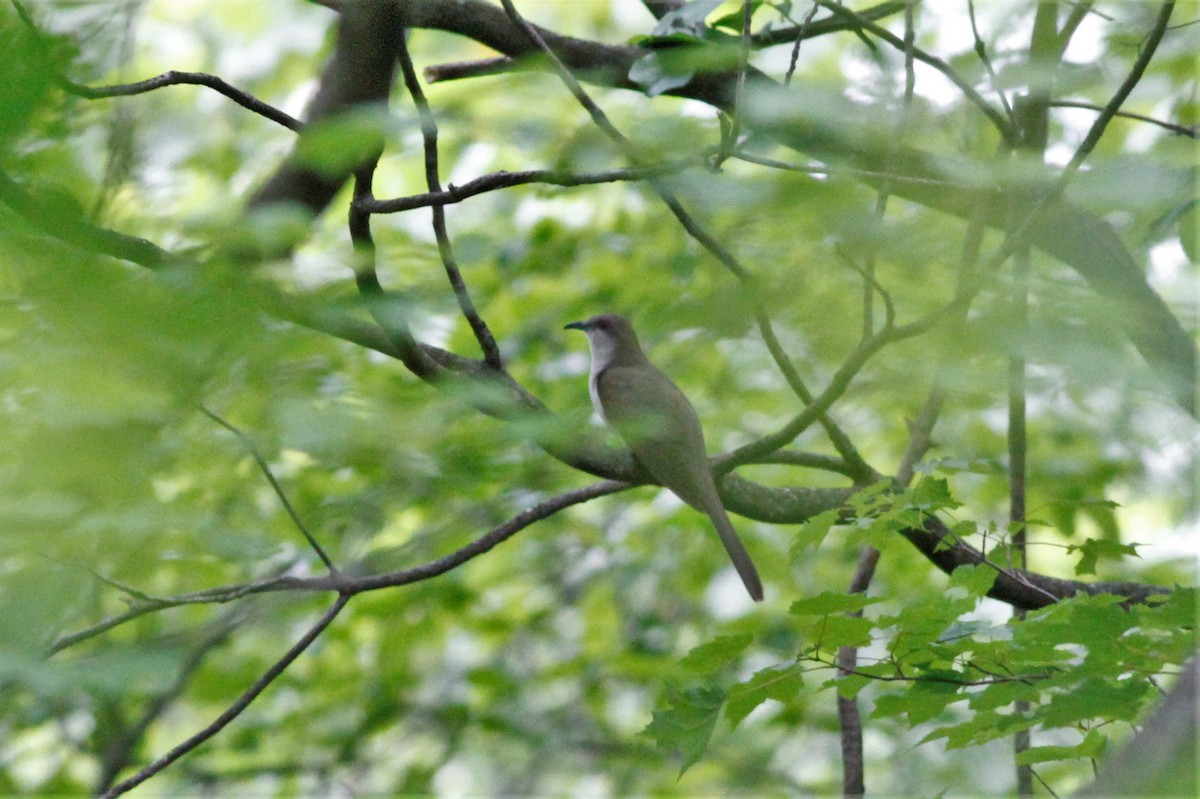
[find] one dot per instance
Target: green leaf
(830, 602)
(813, 532)
(1095, 548)
(1094, 698)
(977, 580)
(1002, 694)
(652, 72)
(981, 728)
(688, 18)
(780, 684)
(715, 654)
(733, 20)
(921, 702)
(1092, 745)
(686, 725)
(834, 631)
(848, 685)
(339, 143)
(932, 493)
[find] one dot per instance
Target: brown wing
(660, 426)
(662, 429)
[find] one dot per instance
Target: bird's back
(660, 426)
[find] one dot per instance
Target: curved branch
(429, 133)
(176, 78)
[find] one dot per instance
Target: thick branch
(358, 74)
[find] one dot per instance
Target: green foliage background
(606, 650)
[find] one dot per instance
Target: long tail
(736, 549)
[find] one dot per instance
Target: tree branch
(359, 74)
(234, 710)
(483, 335)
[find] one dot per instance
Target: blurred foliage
(607, 650)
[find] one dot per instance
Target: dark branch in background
(265, 468)
(1017, 587)
(849, 719)
(358, 75)
(234, 710)
(578, 54)
(1145, 54)
(1183, 130)
(429, 133)
(503, 180)
(387, 312)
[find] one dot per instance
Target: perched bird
(660, 426)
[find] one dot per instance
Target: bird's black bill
(576, 326)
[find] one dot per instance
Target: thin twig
(176, 78)
(941, 66)
(981, 51)
(265, 468)
(170, 78)
(234, 710)
(117, 753)
(729, 141)
(809, 460)
(503, 180)
(1079, 11)
(1118, 99)
(802, 32)
(483, 335)
(1191, 131)
(822, 169)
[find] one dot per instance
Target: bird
(660, 427)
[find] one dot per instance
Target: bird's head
(610, 337)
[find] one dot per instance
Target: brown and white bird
(660, 427)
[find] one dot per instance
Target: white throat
(604, 350)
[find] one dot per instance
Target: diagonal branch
(234, 710)
(429, 132)
(265, 468)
